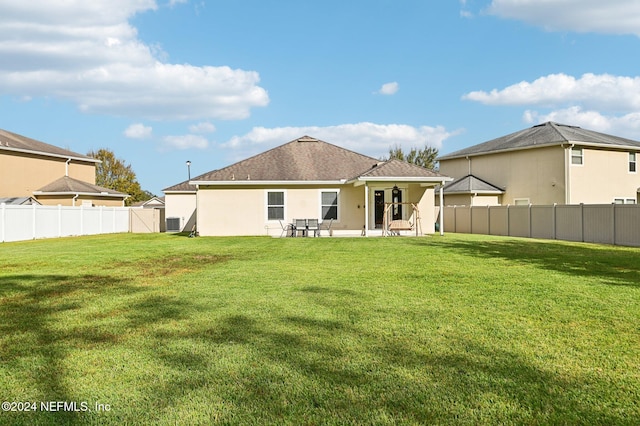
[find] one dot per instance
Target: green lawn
(457, 329)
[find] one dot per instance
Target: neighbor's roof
(19, 201)
(471, 185)
(67, 185)
(546, 134)
(17, 143)
(307, 159)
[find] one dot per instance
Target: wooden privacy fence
(593, 223)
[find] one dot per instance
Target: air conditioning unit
(173, 224)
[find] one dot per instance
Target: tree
(425, 157)
(114, 173)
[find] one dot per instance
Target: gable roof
(13, 142)
(68, 185)
(546, 134)
(19, 201)
(306, 160)
(471, 184)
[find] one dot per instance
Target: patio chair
(326, 227)
(301, 226)
(312, 225)
(287, 229)
(193, 232)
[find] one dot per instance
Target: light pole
(189, 169)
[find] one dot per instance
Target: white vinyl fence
(598, 223)
(19, 223)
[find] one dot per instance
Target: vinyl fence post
(33, 212)
(582, 220)
(554, 225)
(613, 223)
(59, 220)
(3, 208)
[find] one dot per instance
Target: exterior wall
(603, 176)
(183, 206)
(533, 174)
(21, 174)
(243, 211)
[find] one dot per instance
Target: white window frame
(574, 151)
(337, 191)
(266, 205)
(521, 201)
(633, 162)
(624, 200)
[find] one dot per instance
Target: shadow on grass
(610, 265)
(334, 371)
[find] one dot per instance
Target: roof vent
(307, 139)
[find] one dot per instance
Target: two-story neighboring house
(546, 164)
(51, 175)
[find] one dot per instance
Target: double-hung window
(632, 162)
(275, 205)
(576, 156)
(329, 205)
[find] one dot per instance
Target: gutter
(48, 154)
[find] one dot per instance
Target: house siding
(603, 176)
(22, 173)
(534, 174)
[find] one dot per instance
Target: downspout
(74, 200)
(66, 167)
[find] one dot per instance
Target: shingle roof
(310, 159)
(303, 159)
(545, 134)
(14, 142)
(397, 168)
(182, 187)
(471, 184)
(70, 185)
(18, 201)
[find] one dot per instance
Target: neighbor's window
(624, 201)
(329, 202)
(275, 205)
(576, 155)
(632, 162)
(521, 201)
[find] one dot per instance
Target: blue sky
(161, 82)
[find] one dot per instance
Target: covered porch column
(366, 209)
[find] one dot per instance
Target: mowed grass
(459, 329)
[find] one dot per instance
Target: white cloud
(389, 88)
(138, 131)
(365, 138)
(86, 52)
(204, 127)
(612, 16)
(602, 91)
(627, 125)
(185, 142)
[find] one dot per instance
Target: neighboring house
(51, 175)
(309, 179)
(180, 207)
(152, 203)
(546, 164)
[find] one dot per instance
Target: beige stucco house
(546, 164)
(308, 179)
(51, 175)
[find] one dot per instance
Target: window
(624, 201)
(521, 201)
(329, 205)
(576, 156)
(632, 162)
(275, 205)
